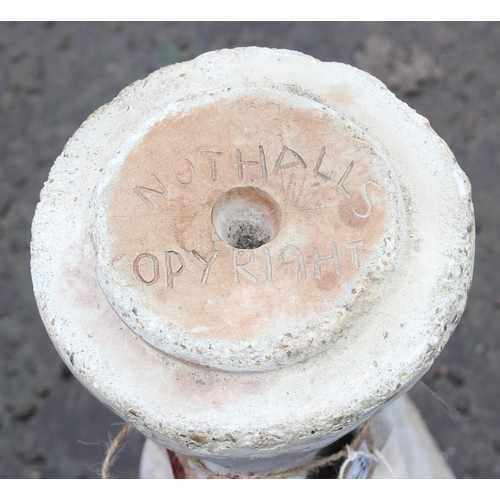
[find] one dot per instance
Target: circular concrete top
(230, 226)
(248, 254)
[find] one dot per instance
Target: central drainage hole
(246, 217)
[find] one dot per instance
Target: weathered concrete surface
(305, 360)
(33, 78)
(407, 450)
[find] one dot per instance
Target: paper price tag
(361, 466)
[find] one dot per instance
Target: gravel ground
(53, 75)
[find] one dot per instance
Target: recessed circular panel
(230, 225)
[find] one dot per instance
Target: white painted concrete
(252, 359)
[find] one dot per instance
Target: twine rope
(115, 443)
(315, 464)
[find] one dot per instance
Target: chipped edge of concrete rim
(244, 415)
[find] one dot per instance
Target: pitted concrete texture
(54, 75)
(321, 358)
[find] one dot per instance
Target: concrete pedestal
(248, 255)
